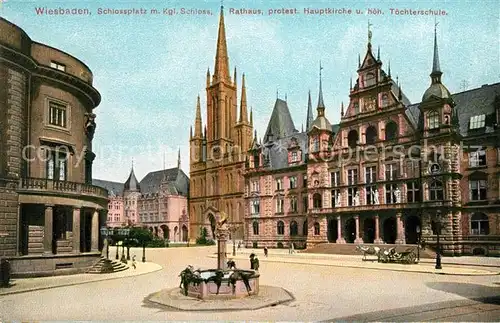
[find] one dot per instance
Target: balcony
(54, 187)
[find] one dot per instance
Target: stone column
(400, 231)
(377, 230)
(340, 238)
(95, 232)
(48, 230)
(76, 229)
(222, 235)
(358, 238)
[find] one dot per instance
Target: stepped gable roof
(114, 188)
(281, 124)
(470, 103)
(177, 182)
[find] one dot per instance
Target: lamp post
(438, 247)
(418, 241)
(124, 233)
(233, 228)
(105, 232)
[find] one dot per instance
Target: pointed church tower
(244, 127)
(321, 128)
(221, 97)
(195, 142)
(309, 118)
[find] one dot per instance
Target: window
(304, 228)
(56, 166)
(436, 191)
(412, 192)
(293, 204)
(315, 145)
(371, 192)
(256, 159)
(335, 198)
(352, 139)
(335, 178)
(279, 184)
(479, 224)
(412, 169)
(433, 120)
(477, 158)
(57, 114)
(279, 205)
(391, 130)
(369, 79)
(255, 186)
(304, 180)
(305, 203)
(352, 176)
(293, 182)
(477, 189)
(294, 229)
(255, 225)
(477, 122)
(351, 193)
(370, 174)
(255, 207)
(281, 228)
(295, 157)
(371, 135)
(390, 193)
(391, 172)
(317, 203)
(316, 228)
(385, 100)
(58, 66)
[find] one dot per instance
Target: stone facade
(218, 152)
(48, 207)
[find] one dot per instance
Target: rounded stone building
(50, 212)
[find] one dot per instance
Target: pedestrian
(133, 262)
(239, 245)
(256, 263)
(252, 256)
(265, 251)
(292, 248)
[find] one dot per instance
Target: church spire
(179, 158)
(221, 71)
(309, 118)
(243, 104)
(436, 69)
(197, 121)
(251, 116)
(321, 104)
(342, 109)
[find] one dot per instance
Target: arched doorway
(412, 222)
(211, 218)
(390, 230)
(350, 230)
(166, 232)
(156, 231)
(369, 230)
(332, 230)
(184, 233)
(176, 233)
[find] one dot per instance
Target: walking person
(265, 251)
(239, 245)
(292, 248)
(133, 262)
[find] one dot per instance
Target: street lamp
(124, 232)
(418, 241)
(438, 247)
(233, 228)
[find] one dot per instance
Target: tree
(142, 236)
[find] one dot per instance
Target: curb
(362, 267)
(73, 283)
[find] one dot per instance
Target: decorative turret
(243, 104)
(208, 77)
(321, 121)
(309, 118)
(132, 184)
(436, 89)
(197, 122)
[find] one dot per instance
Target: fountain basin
(209, 290)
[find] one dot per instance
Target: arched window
(317, 201)
(316, 228)
(304, 228)
(385, 100)
(294, 230)
(433, 120)
(369, 79)
(255, 228)
(352, 138)
(281, 228)
(436, 191)
(391, 130)
(371, 135)
(479, 224)
(315, 146)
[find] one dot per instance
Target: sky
(150, 68)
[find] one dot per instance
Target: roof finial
(359, 60)
(369, 34)
(285, 98)
(321, 104)
(378, 54)
(277, 94)
(436, 69)
(179, 158)
(342, 109)
(350, 84)
(132, 163)
(389, 71)
(222, 4)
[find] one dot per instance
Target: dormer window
(433, 120)
(294, 157)
(315, 145)
(58, 66)
(477, 122)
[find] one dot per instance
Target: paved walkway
(357, 262)
(23, 285)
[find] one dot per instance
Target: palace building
(391, 172)
(50, 212)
